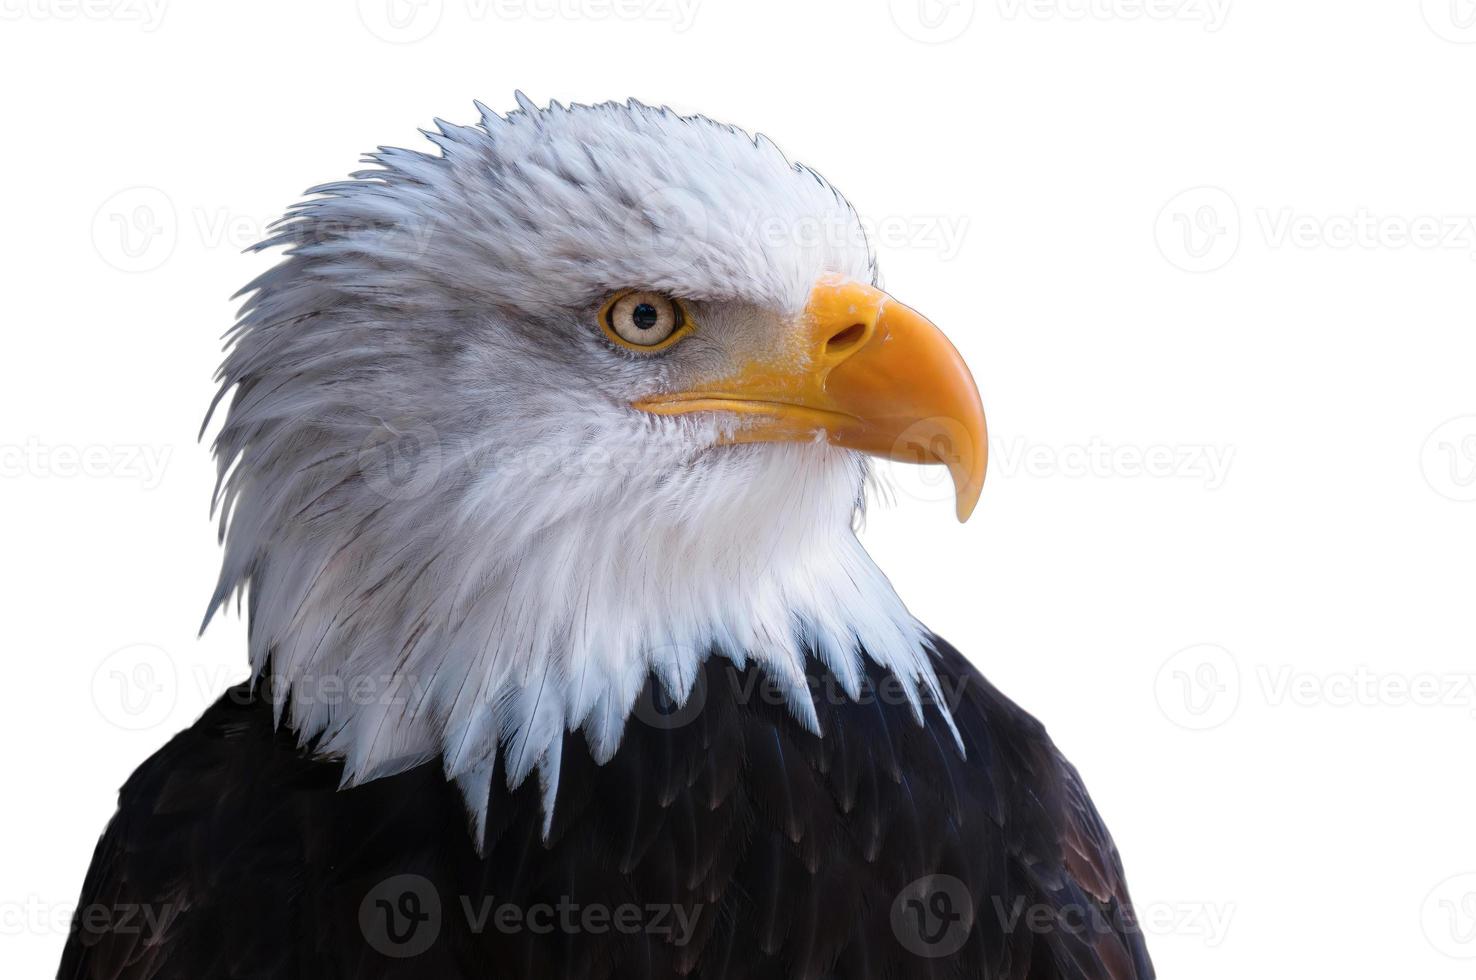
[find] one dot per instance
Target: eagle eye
(643, 320)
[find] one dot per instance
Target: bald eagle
(539, 472)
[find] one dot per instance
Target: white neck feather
(520, 616)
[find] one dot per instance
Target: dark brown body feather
(724, 842)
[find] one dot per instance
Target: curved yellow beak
(867, 373)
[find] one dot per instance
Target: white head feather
(455, 532)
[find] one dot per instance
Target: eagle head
(579, 397)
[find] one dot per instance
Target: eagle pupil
(645, 316)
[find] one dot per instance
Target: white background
(1212, 263)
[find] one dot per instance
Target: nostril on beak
(846, 339)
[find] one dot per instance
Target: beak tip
(968, 482)
(966, 499)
